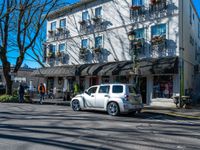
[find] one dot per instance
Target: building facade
(93, 42)
(22, 76)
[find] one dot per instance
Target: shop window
(105, 79)
(121, 79)
(163, 86)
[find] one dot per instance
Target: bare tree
(20, 24)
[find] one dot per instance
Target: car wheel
(113, 109)
(76, 105)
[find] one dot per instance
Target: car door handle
(92, 95)
(106, 95)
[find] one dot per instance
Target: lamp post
(181, 71)
(131, 37)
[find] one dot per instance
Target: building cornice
(68, 8)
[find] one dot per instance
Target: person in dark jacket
(21, 93)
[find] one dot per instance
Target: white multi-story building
(98, 41)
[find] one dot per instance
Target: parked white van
(113, 98)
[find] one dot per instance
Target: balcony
(82, 53)
(97, 50)
(136, 46)
(97, 19)
(137, 12)
(157, 40)
(60, 34)
(157, 6)
(50, 55)
(58, 54)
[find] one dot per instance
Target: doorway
(94, 81)
(143, 89)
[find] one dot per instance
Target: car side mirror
(87, 92)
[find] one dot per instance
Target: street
(53, 127)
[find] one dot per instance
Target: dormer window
(53, 26)
(85, 16)
(63, 23)
(98, 12)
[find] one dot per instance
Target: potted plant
(97, 49)
(135, 7)
(49, 54)
(58, 53)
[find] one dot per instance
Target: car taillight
(126, 97)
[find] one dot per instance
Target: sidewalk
(193, 113)
(52, 101)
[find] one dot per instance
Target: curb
(174, 115)
(182, 115)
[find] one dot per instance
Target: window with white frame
(61, 47)
(62, 23)
(53, 26)
(98, 12)
(139, 33)
(158, 30)
(85, 16)
(98, 41)
(190, 14)
(52, 48)
(84, 43)
(137, 2)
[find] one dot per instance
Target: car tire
(76, 105)
(113, 109)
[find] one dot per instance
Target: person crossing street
(41, 90)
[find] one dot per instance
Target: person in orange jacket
(41, 90)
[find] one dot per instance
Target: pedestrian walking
(41, 90)
(21, 93)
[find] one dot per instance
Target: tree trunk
(7, 75)
(9, 86)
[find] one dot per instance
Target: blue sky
(33, 64)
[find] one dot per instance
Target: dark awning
(57, 71)
(167, 65)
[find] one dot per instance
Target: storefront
(158, 77)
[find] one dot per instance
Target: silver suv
(113, 98)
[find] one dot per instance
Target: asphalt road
(52, 127)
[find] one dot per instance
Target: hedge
(13, 99)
